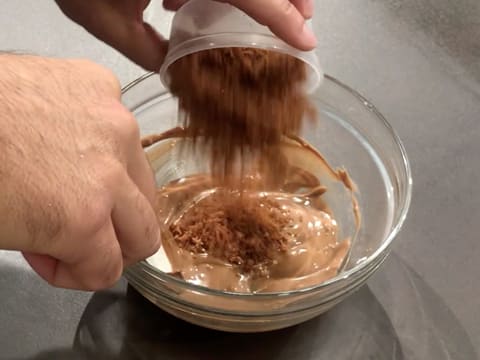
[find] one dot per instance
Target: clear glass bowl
(351, 134)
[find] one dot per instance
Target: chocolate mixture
(238, 104)
(241, 230)
(205, 235)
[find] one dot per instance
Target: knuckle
(124, 125)
(91, 215)
(109, 175)
(108, 264)
(104, 279)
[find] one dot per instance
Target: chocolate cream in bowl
(274, 233)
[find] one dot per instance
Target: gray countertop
(418, 61)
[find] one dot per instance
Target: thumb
(119, 23)
(138, 41)
(126, 31)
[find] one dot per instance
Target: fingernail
(309, 38)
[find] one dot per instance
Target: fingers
(120, 24)
(142, 175)
(305, 7)
(44, 265)
(150, 49)
(98, 263)
(95, 260)
(135, 223)
(127, 130)
(133, 217)
(138, 41)
(283, 19)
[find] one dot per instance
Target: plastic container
(351, 134)
(205, 24)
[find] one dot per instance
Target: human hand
(77, 190)
(120, 24)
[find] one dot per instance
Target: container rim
(238, 39)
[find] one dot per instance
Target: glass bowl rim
(357, 269)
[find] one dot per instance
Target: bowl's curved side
(216, 309)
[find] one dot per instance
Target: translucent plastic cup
(205, 24)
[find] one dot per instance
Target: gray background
(418, 61)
